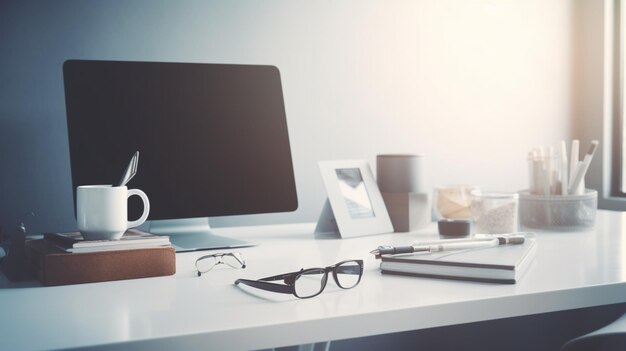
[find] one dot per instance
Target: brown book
(53, 266)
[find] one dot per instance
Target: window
(599, 59)
(618, 159)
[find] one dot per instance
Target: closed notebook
(53, 266)
(499, 264)
(132, 239)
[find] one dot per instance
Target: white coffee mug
(102, 211)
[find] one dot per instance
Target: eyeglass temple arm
(243, 262)
(278, 288)
(281, 276)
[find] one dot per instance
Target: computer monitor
(212, 139)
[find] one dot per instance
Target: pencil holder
(558, 212)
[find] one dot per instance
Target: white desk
(571, 270)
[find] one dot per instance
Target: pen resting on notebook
(445, 246)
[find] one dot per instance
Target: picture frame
(354, 206)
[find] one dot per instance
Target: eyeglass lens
(311, 282)
(348, 274)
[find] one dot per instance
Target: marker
(584, 166)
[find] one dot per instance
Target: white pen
(545, 182)
(573, 160)
(582, 170)
(476, 238)
(564, 168)
(550, 165)
(577, 169)
(444, 245)
(537, 185)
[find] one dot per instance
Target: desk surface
(571, 270)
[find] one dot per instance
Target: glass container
(495, 212)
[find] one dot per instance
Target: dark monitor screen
(212, 138)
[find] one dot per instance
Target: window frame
(600, 95)
(618, 126)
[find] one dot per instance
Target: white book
(132, 239)
(114, 248)
(498, 264)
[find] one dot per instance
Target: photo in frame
(354, 206)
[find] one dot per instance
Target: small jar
(495, 212)
(453, 201)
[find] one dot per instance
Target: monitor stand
(193, 234)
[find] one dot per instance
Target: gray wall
(472, 84)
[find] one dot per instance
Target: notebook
(132, 239)
(499, 264)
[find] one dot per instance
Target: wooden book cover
(53, 266)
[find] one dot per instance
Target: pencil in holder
(558, 212)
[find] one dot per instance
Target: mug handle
(146, 208)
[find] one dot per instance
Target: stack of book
(66, 258)
(500, 264)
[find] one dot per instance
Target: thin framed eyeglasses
(308, 283)
(208, 262)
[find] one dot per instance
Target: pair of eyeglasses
(311, 282)
(208, 262)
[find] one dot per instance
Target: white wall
(471, 84)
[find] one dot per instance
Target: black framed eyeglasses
(311, 282)
(208, 262)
